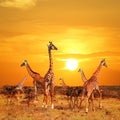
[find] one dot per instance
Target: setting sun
(83, 31)
(71, 64)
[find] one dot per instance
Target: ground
(21, 111)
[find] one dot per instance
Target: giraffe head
(80, 70)
(51, 46)
(24, 63)
(103, 62)
(60, 78)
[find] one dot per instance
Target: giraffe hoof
(86, 111)
(42, 106)
(100, 107)
(52, 106)
(35, 102)
(45, 106)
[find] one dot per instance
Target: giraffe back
(90, 85)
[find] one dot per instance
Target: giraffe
(67, 91)
(14, 91)
(91, 85)
(20, 84)
(49, 79)
(19, 87)
(37, 78)
(66, 88)
(84, 79)
(63, 83)
(72, 94)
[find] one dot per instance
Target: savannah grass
(21, 111)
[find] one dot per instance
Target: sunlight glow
(71, 64)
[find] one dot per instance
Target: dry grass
(21, 111)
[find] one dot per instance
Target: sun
(71, 64)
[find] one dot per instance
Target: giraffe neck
(22, 82)
(63, 84)
(96, 73)
(30, 71)
(50, 60)
(83, 76)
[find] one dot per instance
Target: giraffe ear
(61, 78)
(80, 70)
(50, 42)
(103, 59)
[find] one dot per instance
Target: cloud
(82, 57)
(21, 4)
(24, 44)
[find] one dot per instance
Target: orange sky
(82, 30)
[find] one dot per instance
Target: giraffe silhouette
(92, 84)
(49, 79)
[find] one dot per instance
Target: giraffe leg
(82, 98)
(100, 98)
(52, 104)
(52, 96)
(87, 101)
(35, 87)
(93, 107)
(69, 101)
(45, 100)
(75, 104)
(87, 104)
(43, 104)
(35, 93)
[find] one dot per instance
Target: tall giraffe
(91, 85)
(49, 78)
(37, 78)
